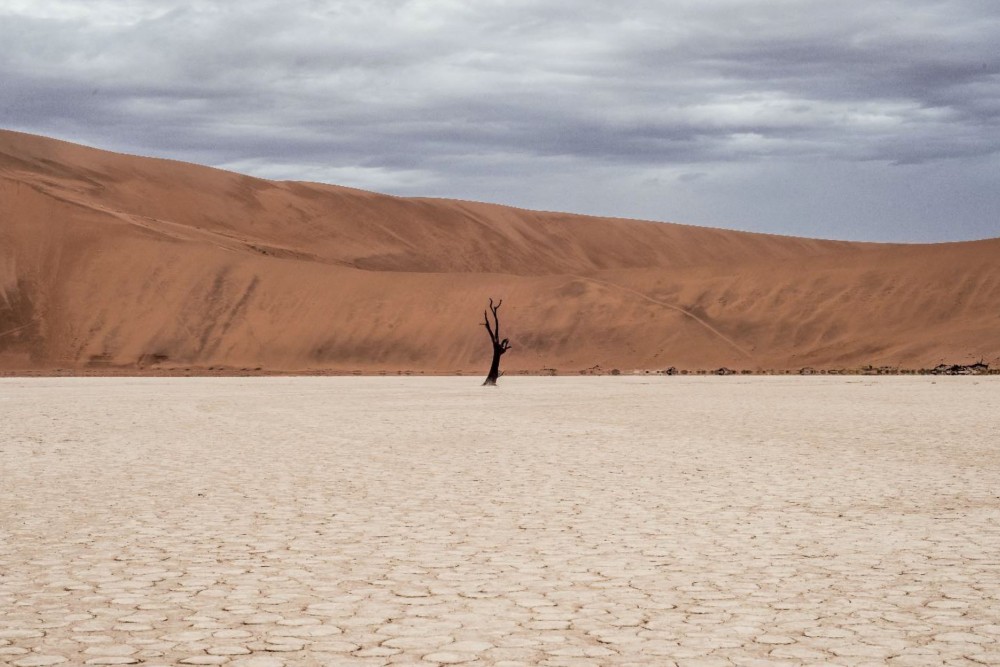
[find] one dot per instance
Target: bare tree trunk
(499, 346)
(494, 374)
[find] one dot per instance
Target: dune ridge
(111, 262)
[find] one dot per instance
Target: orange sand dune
(111, 262)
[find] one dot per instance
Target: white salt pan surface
(550, 521)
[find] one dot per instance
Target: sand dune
(112, 262)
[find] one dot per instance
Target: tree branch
(486, 323)
(496, 320)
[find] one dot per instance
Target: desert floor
(550, 521)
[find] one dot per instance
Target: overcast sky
(855, 119)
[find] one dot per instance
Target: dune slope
(110, 261)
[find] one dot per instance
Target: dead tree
(499, 346)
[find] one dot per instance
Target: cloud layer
(848, 120)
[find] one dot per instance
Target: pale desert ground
(550, 521)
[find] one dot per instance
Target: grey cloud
(519, 100)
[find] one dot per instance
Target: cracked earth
(572, 522)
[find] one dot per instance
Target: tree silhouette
(499, 346)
